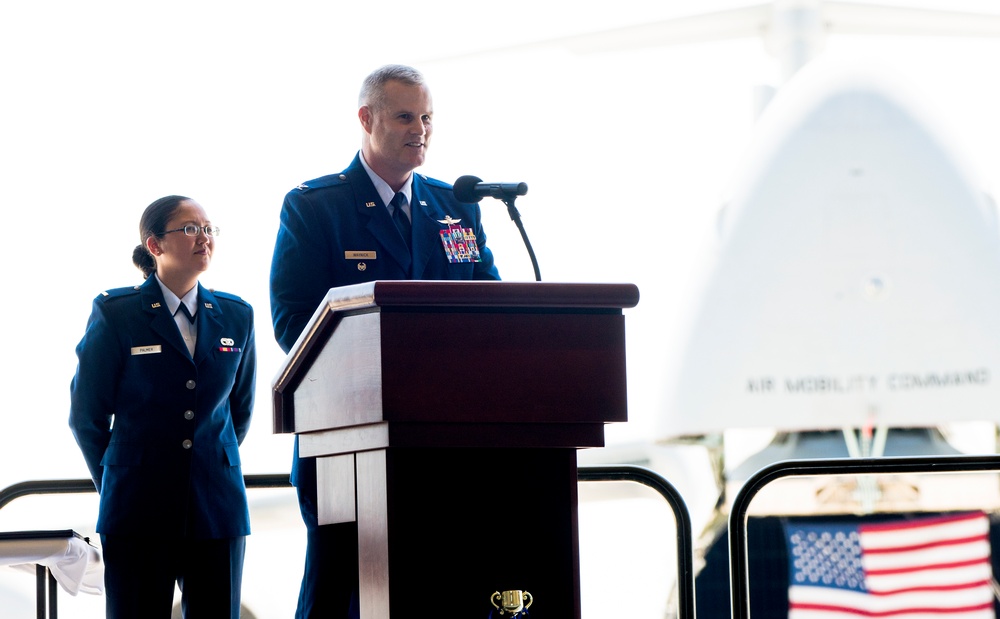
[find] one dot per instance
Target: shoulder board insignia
(330, 180)
(118, 292)
(227, 296)
(433, 182)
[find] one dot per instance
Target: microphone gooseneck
(471, 189)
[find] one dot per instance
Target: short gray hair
(373, 88)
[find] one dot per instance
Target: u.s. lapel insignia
(370, 204)
(209, 306)
(422, 203)
(459, 243)
(155, 305)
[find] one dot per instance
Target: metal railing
(83, 486)
(685, 543)
(738, 519)
(629, 473)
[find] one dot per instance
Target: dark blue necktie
(399, 217)
(184, 308)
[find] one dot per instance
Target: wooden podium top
(385, 351)
(483, 294)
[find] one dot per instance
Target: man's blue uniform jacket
(161, 431)
(336, 231)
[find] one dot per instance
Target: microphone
(473, 189)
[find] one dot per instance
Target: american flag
(920, 568)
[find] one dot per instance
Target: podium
(445, 418)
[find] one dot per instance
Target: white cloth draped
(76, 565)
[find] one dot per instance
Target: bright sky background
(107, 105)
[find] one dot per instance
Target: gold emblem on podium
(512, 602)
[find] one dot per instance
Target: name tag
(147, 350)
(359, 255)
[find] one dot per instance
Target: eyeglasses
(193, 230)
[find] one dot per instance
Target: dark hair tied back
(152, 223)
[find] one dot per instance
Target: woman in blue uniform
(161, 400)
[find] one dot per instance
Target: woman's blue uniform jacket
(161, 431)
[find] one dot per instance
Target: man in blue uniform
(376, 220)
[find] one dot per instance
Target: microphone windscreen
(465, 187)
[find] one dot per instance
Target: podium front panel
(462, 367)
(460, 524)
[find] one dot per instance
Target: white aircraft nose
(856, 279)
